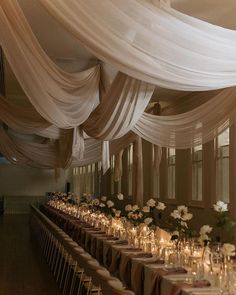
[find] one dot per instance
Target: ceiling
(66, 51)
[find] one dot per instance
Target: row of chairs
(75, 270)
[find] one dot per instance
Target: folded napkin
(158, 275)
(177, 288)
(125, 266)
(137, 275)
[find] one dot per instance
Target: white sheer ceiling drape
(149, 45)
(120, 109)
(157, 45)
(191, 128)
(63, 99)
(26, 120)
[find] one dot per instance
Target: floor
(22, 268)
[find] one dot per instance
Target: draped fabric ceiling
(82, 116)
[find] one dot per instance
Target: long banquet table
(139, 271)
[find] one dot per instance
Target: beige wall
(27, 181)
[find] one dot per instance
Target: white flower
(187, 216)
(151, 203)
(182, 209)
(120, 196)
(95, 202)
(128, 207)
(203, 238)
(130, 214)
(140, 215)
(110, 204)
(228, 250)
(117, 213)
(184, 224)
(220, 207)
(148, 220)
(102, 205)
(175, 233)
(160, 206)
(135, 207)
(146, 209)
(103, 198)
(205, 229)
(175, 214)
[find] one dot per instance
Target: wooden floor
(22, 269)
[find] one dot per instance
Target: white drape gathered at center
(120, 109)
(158, 45)
(191, 128)
(63, 99)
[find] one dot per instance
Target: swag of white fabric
(191, 128)
(63, 99)
(26, 120)
(120, 109)
(45, 155)
(158, 45)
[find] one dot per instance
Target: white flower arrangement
(181, 215)
(102, 205)
(228, 250)
(160, 206)
(120, 196)
(103, 198)
(151, 203)
(175, 235)
(110, 204)
(220, 206)
(135, 207)
(204, 239)
(205, 229)
(95, 202)
(117, 213)
(128, 207)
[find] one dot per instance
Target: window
(171, 173)
(222, 166)
(197, 173)
(130, 169)
(156, 152)
(112, 164)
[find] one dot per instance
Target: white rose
(103, 198)
(220, 207)
(146, 209)
(135, 207)
(203, 238)
(130, 214)
(187, 216)
(95, 202)
(102, 205)
(120, 197)
(140, 215)
(148, 220)
(175, 233)
(110, 204)
(205, 229)
(228, 250)
(182, 209)
(151, 203)
(160, 206)
(117, 213)
(175, 214)
(128, 207)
